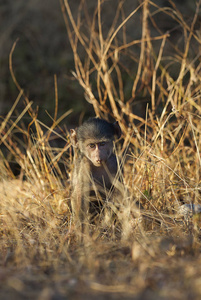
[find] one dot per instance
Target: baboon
(95, 166)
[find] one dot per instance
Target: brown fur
(95, 166)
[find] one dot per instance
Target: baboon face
(97, 152)
(95, 139)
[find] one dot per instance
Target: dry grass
(154, 254)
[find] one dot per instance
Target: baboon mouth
(99, 162)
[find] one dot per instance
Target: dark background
(43, 50)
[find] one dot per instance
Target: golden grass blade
(3, 124)
(15, 123)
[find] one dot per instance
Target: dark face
(95, 139)
(97, 152)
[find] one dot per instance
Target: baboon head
(95, 139)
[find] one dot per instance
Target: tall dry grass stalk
(171, 126)
(160, 153)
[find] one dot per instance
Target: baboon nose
(99, 161)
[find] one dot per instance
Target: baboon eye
(102, 143)
(91, 145)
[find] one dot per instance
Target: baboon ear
(73, 137)
(117, 129)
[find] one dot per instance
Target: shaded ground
(115, 273)
(40, 259)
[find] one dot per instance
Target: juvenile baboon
(95, 166)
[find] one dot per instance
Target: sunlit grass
(130, 252)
